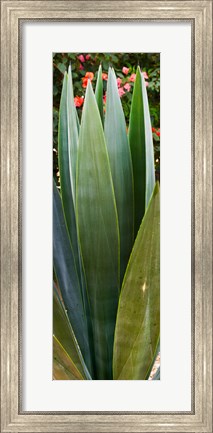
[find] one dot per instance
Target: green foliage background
(149, 63)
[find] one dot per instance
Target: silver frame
(13, 13)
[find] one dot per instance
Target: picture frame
(199, 14)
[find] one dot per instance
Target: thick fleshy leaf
(63, 332)
(63, 366)
(99, 93)
(121, 168)
(141, 144)
(72, 133)
(68, 280)
(138, 319)
(98, 232)
(64, 157)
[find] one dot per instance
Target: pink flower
(87, 56)
(125, 70)
(119, 81)
(81, 67)
(146, 83)
(121, 91)
(127, 87)
(145, 75)
(132, 78)
(104, 98)
(81, 58)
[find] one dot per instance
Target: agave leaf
(141, 144)
(68, 280)
(72, 132)
(99, 93)
(98, 232)
(138, 319)
(64, 333)
(66, 177)
(63, 366)
(121, 168)
(60, 373)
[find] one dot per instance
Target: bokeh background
(85, 65)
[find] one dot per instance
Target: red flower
(87, 57)
(78, 101)
(104, 76)
(84, 82)
(156, 131)
(88, 76)
(104, 98)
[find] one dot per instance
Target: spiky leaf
(63, 367)
(72, 133)
(66, 146)
(67, 277)
(63, 333)
(141, 144)
(138, 318)
(121, 168)
(99, 93)
(98, 232)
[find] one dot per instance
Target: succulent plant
(106, 238)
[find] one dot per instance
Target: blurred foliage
(125, 64)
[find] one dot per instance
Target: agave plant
(106, 238)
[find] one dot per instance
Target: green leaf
(121, 168)
(63, 367)
(72, 133)
(141, 144)
(138, 319)
(68, 280)
(98, 232)
(67, 148)
(61, 67)
(99, 93)
(65, 343)
(67, 185)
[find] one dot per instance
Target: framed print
(142, 46)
